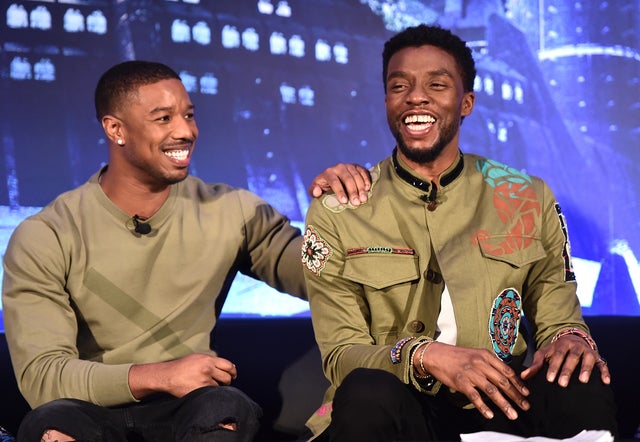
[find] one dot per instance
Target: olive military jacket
(375, 273)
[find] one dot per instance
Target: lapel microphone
(140, 227)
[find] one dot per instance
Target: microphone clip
(139, 226)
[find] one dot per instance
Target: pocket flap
(381, 270)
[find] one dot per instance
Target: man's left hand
(564, 356)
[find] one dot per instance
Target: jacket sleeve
(339, 309)
(41, 327)
(273, 246)
(551, 302)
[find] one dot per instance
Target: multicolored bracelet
(396, 350)
(577, 332)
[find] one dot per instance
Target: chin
(176, 178)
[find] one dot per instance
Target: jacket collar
(445, 179)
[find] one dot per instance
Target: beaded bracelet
(577, 332)
(396, 350)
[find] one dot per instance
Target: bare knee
(55, 436)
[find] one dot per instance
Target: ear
(112, 128)
(468, 100)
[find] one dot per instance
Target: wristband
(577, 332)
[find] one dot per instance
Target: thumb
(536, 365)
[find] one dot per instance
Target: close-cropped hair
(122, 80)
(444, 39)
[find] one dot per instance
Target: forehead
(164, 93)
(414, 59)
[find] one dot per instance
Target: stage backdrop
(284, 89)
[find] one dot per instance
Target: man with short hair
(419, 297)
(110, 293)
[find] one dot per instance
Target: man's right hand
(349, 182)
(180, 376)
(473, 371)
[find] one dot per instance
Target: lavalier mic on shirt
(140, 227)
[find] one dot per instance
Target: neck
(132, 197)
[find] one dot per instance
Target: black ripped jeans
(194, 417)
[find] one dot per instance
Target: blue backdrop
(286, 88)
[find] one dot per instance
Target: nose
(418, 95)
(185, 128)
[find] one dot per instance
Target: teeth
(178, 154)
(419, 119)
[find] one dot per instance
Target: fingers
(562, 365)
(349, 179)
(565, 356)
(223, 371)
(535, 367)
(349, 183)
(496, 391)
(506, 382)
(604, 370)
(588, 366)
(484, 377)
(315, 190)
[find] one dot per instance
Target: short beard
(426, 155)
(420, 156)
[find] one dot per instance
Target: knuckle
(473, 395)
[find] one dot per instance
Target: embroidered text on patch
(315, 251)
(380, 249)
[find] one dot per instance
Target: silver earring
(120, 141)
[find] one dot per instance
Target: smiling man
(418, 296)
(111, 292)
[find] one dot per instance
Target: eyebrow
(441, 72)
(163, 109)
(433, 73)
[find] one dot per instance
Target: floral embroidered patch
(315, 251)
(504, 323)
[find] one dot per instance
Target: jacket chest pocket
(517, 254)
(381, 271)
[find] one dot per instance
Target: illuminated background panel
(284, 89)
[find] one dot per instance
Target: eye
(396, 87)
(164, 118)
(190, 116)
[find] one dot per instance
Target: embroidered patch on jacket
(569, 274)
(517, 206)
(505, 322)
(380, 250)
(315, 251)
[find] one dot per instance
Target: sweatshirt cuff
(110, 385)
